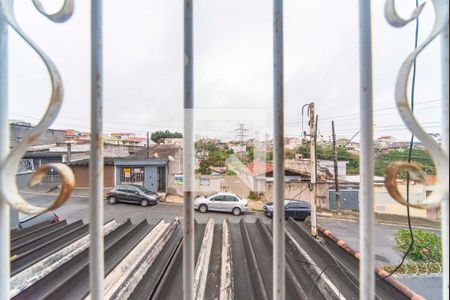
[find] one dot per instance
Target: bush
(254, 196)
(230, 173)
(427, 245)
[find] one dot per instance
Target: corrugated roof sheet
(144, 261)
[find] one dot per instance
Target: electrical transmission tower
(241, 134)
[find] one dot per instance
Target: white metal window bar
(96, 250)
(188, 153)
(278, 157)
(4, 149)
(367, 168)
(10, 198)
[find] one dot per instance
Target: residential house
(68, 154)
(325, 168)
(174, 141)
(158, 167)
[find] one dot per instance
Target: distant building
(173, 141)
(325, 168)
(353, 148)
(18, 130)
(385, 141)
(158, 167)
(125, 139)
(292, 143)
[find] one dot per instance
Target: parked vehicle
(26, 221)
(295, 209)
(133, 193)
(225, 202)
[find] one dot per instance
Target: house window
(134, 175)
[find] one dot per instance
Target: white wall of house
(385, 204)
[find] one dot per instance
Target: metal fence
(349, 199)
(9, 195)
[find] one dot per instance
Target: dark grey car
(132, 194)
(26, 221)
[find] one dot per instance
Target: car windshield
(286, 202)
(143, 189)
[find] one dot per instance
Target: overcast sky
(143, 66)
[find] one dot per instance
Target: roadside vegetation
(418, 155)
(255, 196)
(325, 152)
(425, 256)
(216, 156)
(159, 136)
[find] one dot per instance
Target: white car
(226, 202)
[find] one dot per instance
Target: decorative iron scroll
(440, 157)
(9, 190)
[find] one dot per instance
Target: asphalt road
(77, 208)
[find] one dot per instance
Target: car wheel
(144, 202)
(112, 200)
(236, 211)
(203, 208)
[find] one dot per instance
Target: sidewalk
(53, 189)
(381, 218)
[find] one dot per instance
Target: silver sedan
(225, 202)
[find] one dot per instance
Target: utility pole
(69, 151)
(313, 148)
(336, 171)
(148, 144)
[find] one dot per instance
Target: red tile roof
(259, 168)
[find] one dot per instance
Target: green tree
(418, 155)
(159, 135)
(216, 156)
(326, 153)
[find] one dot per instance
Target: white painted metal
(367, 218)
(96, 253)
(440, 156)
(4, 149)
(279, 289)
(31, 275)
(188, 154)
(226, 273)
(125, 277)
(9, 189)
(445, 143)
(201, 269)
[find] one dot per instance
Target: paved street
(77, 208)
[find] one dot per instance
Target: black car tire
(144, 202)
(112, 200)
(236, 211)
(203, 208)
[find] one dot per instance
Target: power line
(377, 110)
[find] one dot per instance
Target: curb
(379, 222)
(391, 280)
(51, 194)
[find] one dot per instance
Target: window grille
(9, 195)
